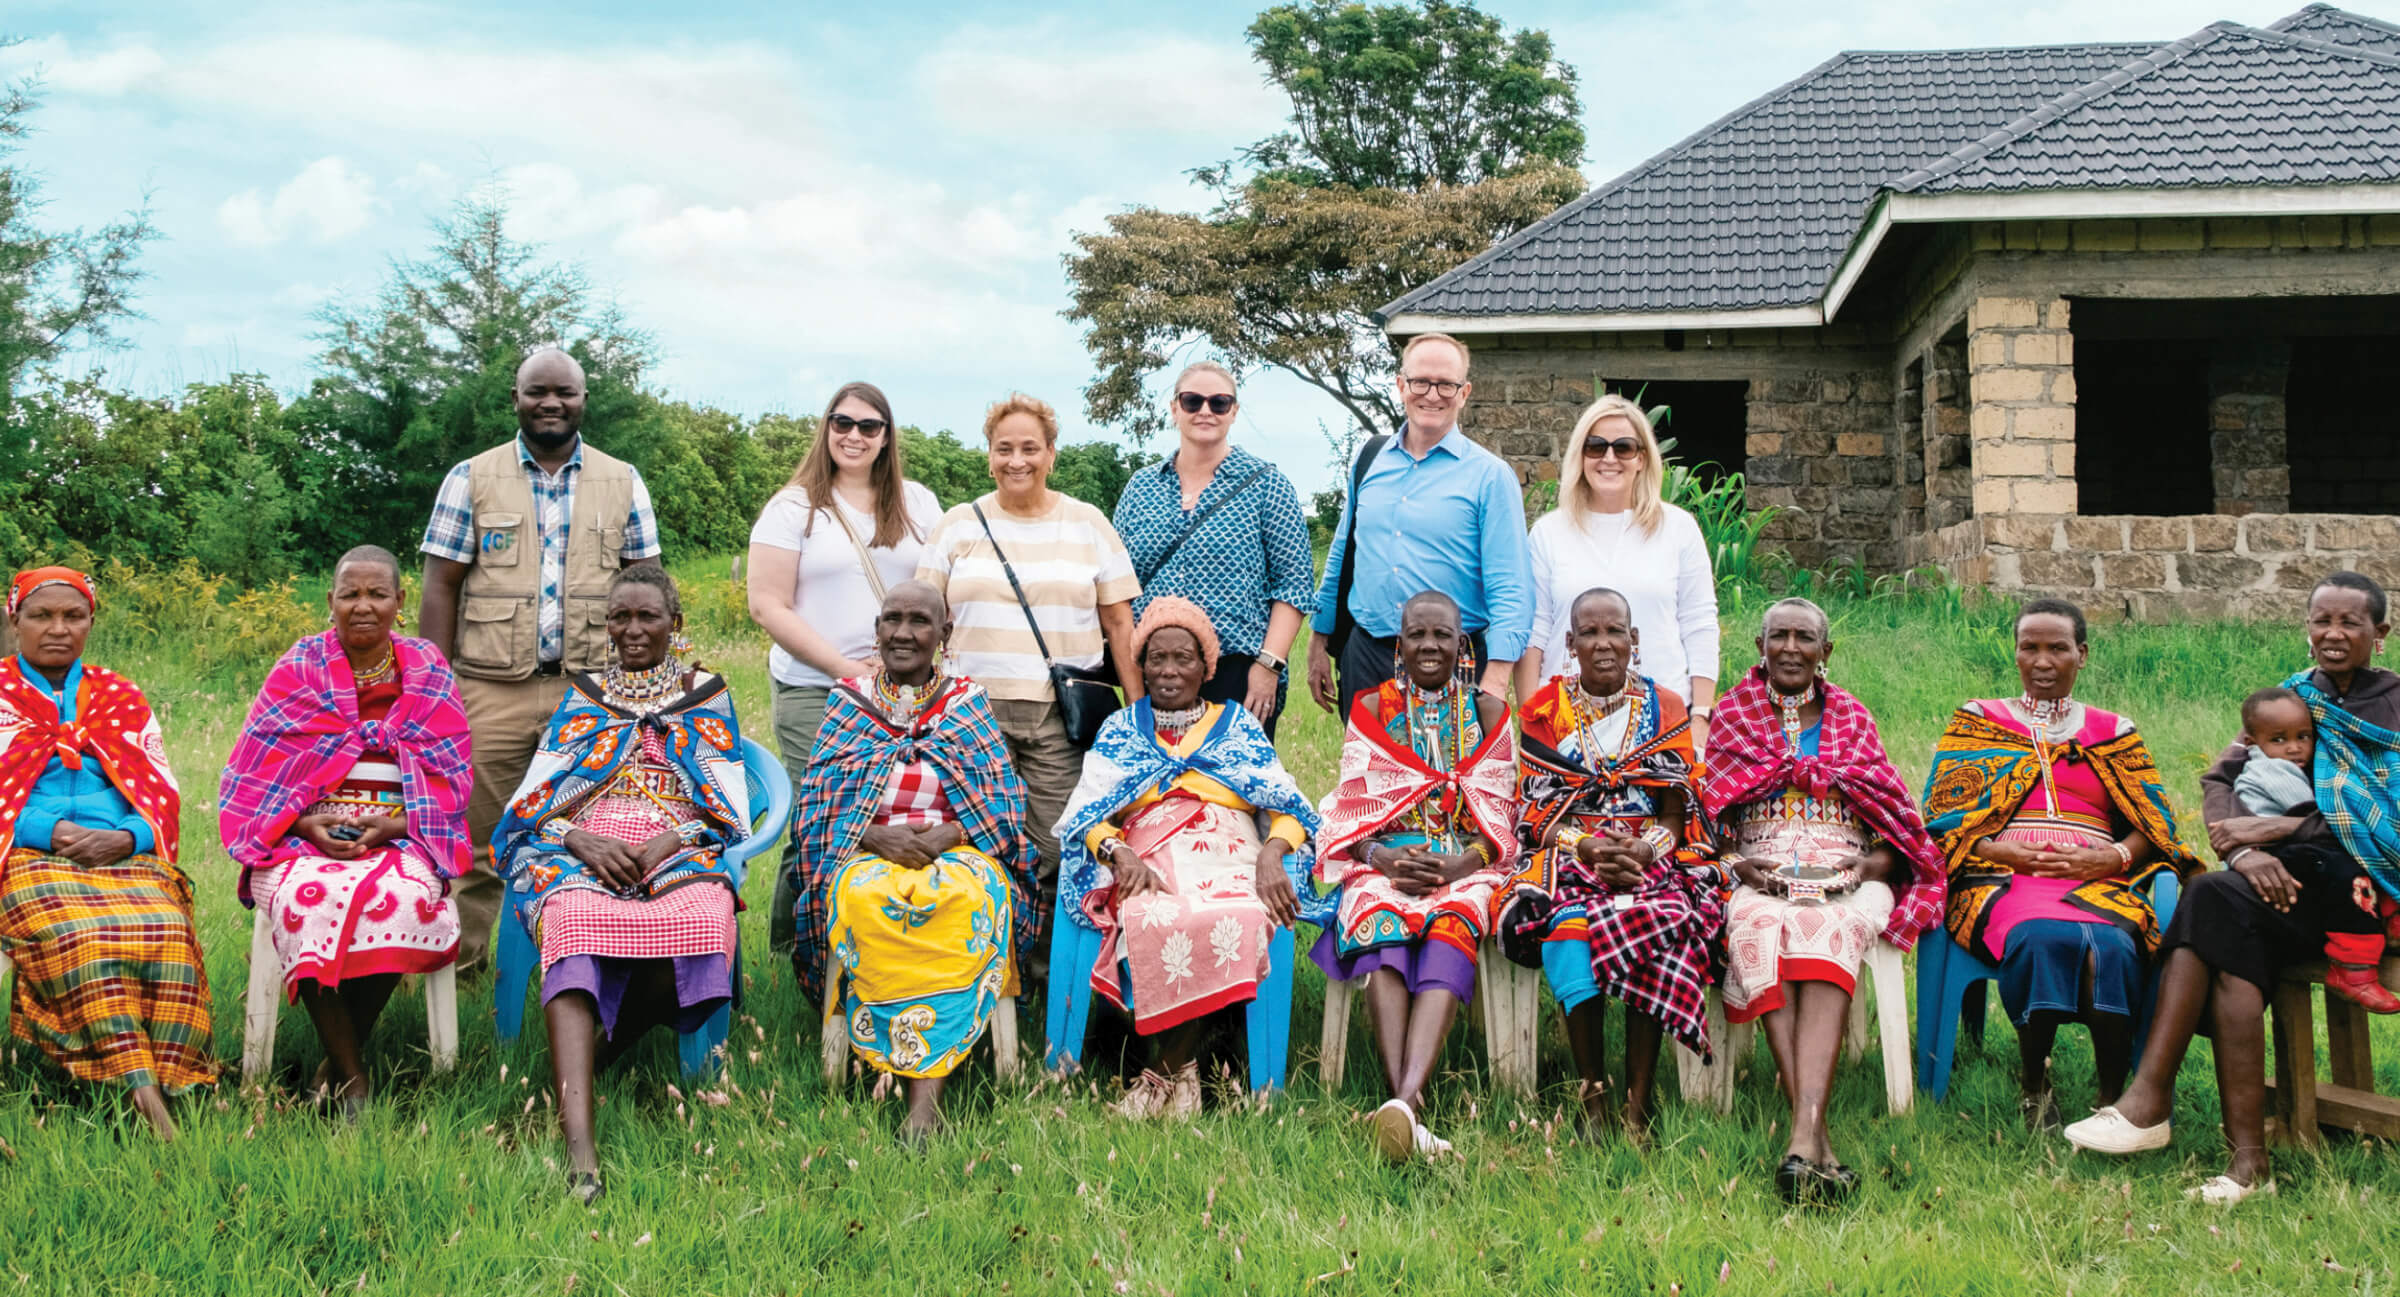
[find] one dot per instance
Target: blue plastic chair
(1074, 948)
(699, 1049)
(1951, 991)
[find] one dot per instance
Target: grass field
(452, 1184)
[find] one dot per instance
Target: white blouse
(1665, 577)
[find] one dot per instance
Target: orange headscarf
(34, 579)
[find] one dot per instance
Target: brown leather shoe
(2356, 983)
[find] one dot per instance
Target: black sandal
(585, 1187)
(1793, 1176)
(1835, 1181)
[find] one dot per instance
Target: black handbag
(1087, 696)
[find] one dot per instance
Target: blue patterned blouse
(1250, 554)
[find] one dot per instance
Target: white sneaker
(2225, 1191)
(1430, 1145)
(1395, 1130)
(2107, 1131)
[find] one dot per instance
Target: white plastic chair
(265, 1002)
(1511, 997)
(1712, 1085)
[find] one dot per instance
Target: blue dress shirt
(83, 796)
(1452, 520)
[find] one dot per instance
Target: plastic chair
(1074, 949)
(263, 1004)
(1511, 996)
(700, 1049)
(1712, 1085)
(1950, 991)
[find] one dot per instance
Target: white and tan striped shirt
(1071, 563)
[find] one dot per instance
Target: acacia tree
(1422, 135)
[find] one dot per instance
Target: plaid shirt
(450, 532)
(914, 797)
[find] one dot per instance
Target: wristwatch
(1270, 661)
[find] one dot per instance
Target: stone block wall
(2207, 565)
(2021, 406)
(2246, 425)
(1819, 451)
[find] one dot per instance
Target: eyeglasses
(1625, 448)
(1427, 386)
(871, 427)
(1192, 401)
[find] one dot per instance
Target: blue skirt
(2042, 969)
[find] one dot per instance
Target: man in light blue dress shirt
(1435, 511)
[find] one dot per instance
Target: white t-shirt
(1070, 561)
(831, 592)
(1665, 577)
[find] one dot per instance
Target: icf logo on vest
(498, 541)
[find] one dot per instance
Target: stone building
(2112, 321)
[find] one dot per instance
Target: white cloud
(1005, 83)
(327, 202)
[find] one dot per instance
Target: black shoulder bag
(1086, 696)
(1194, 525)
(1343, 623)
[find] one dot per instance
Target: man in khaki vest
(523, 542)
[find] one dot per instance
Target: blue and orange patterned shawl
(857, 751)
(1128, 760)
(1982, 774)
(303, 735)
(2357, 782)
(585, 745)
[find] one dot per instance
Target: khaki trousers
(799, 712)
(506, 719)
(1050, 767)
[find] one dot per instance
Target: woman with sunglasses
(1221, 527)
(1612, 528)
(845, 529)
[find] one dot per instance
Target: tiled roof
(2326, 23)
(1756, 210)
(2231, 105)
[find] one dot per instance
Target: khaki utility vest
(499, 605)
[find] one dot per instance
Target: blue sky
(790, 196)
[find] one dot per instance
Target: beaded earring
(1466, 666)
(1820, 671)
(1399, 663)
(679, 644)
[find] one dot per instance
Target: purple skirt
(702, 982)
(1423, 965)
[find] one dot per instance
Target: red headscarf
(35, 578)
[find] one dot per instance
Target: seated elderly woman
(93, 911)
(1619, 894)
(920, 880)
(2051, 818)
(344, 804)
(1165, 858)
(1801, 791)
(1419, 835)
(613, 852)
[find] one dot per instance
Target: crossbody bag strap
(1342, 620)
(865, 559)
(1194, 525)
(1022, 602)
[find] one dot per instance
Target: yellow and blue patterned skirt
(923, 957)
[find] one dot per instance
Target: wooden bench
(2299, 1103)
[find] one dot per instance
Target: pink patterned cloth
(2082, 818)
(693, 919)
(332, 920)
(1200, 945)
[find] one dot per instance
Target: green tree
(1421, 135)
(58, 288)
(421, 379)
(1401, 97)
(1282, 276)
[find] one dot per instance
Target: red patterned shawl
(113, 724)
(1381, 780)
(1748, 761)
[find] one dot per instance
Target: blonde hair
(1019, 403)
(1649, 475)
(1466, 359)
(1205, 367)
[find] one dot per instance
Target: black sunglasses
(871, 427)
(1625, 448)
(1192, 401)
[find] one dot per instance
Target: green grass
(452, 1184)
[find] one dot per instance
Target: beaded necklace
(2042, 716)
(376, 674)
(1437, 730)
(1173, 725)
(900, 702)
(1789, 706)
(643, 691)
(1590, 711)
